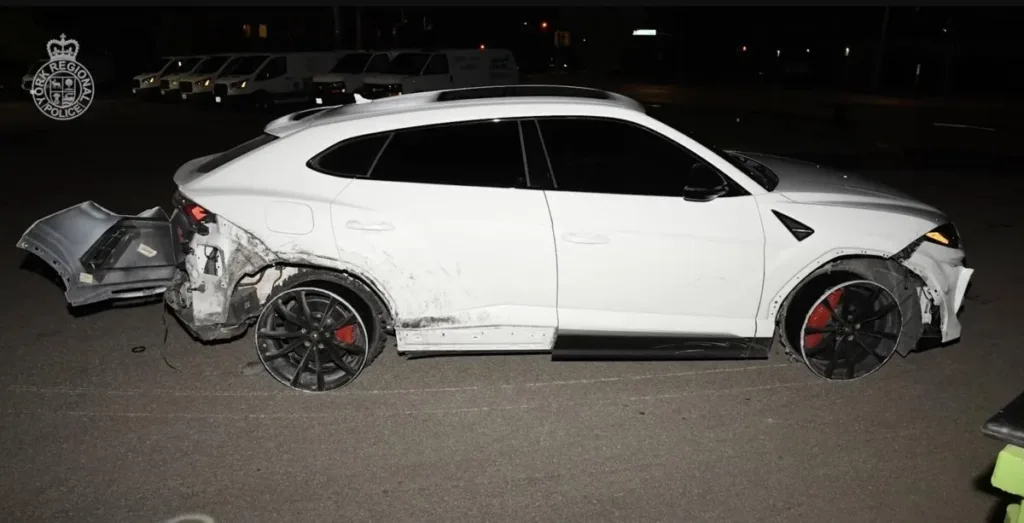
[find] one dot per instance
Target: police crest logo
(62, 88)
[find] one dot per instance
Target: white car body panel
(657, 265)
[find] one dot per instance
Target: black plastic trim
(629, 347)
(799, 230)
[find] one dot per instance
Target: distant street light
(778, 53)
(744, 49)
(847, 52)
(543, 25)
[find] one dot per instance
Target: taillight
(197, 214)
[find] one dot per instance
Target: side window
(277, 66)
(484, 154)
(350, 158)
(379, 63)
(438, 64)
(612, 157)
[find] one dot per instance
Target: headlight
(945, 235)
(238, 85)
(206, 83)
(151, 79)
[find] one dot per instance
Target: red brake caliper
(346, 334)
(819, 318)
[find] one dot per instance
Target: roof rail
(521, 90)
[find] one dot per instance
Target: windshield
(351, 63)
(408, 64)
(32, 69)
(245, 66)
(183, 66)
(156, 65)
(211, 65)
(761, 175)
(755, 170)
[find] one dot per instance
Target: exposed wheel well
(845, 267)
(383, 305)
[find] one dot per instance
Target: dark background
(961, 50)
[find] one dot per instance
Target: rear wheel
(851, 316)
(319, 331)
(311, 339)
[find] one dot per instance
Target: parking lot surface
(95, 431)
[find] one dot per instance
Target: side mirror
(704, 184)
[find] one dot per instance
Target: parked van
(198, 84)
(169, 80)
(148, 82)
(337, 86)
(418, 71)
(100, 67)
(273, 78)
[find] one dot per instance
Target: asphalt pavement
(95, 431)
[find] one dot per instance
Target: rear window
(235, 152)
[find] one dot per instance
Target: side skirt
(591, 347)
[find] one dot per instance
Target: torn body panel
(101, 255)
(945, 284)
(207, 295)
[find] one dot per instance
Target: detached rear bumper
(101, 255)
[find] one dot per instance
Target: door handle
(369, 226)
(585, 238)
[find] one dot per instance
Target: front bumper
(946, 280)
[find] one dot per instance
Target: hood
(333, 77)
(196, 77)
(384, 79)
(232, 78)
(143, 76)
(808, 182)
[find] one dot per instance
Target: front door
(633, 255)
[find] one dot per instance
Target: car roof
(454, 99)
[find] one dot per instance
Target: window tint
(350, 158)
(235, 152)
(378, 64)
(607, 156)
(274, 68)
(437, 65)
(486, 154)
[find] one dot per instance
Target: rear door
(447, 226)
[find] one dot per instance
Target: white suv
(520, 219)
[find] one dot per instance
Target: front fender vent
(797, 229)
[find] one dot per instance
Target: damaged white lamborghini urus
(520, 219)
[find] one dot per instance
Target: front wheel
(851, 316)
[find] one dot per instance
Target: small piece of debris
(251, 368)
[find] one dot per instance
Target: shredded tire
(894, 277)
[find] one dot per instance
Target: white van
(273, 78)
(198, 85)
(347, 75)
(148, 82)
(419, 71)
(185, 66)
